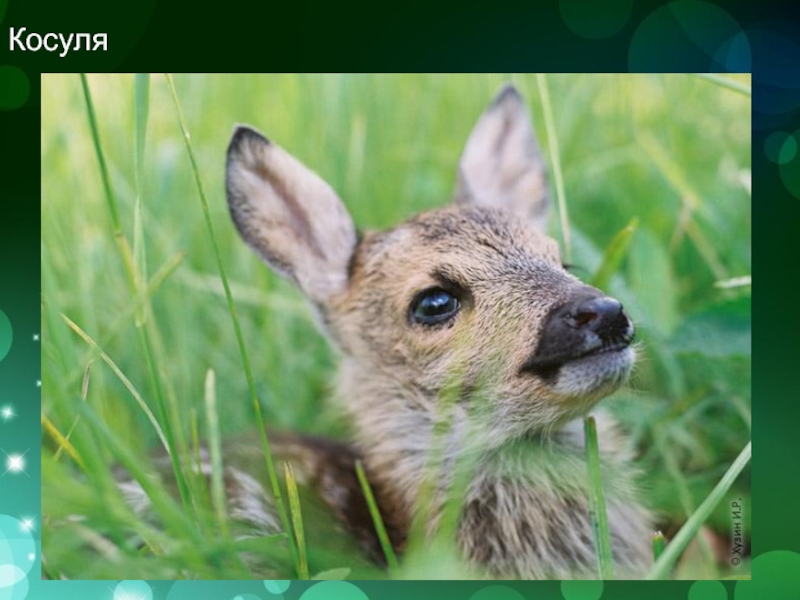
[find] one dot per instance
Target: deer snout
(582, 327)
(603, 316)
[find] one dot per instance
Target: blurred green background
(672, 151)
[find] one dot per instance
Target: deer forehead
(473, 246)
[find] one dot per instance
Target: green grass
(375, 513)
(597, 503)
(301, 566)
(659, 543)
(555, 162)
(681, 540)
(147, 287)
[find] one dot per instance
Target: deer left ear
(501, 165)
(292, 218)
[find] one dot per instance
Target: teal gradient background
(525, 37)
(19, 300)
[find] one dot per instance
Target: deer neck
(399, 433)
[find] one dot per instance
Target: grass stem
(137, 285)
(375, 512)
(273, 474)
(725, 82)
(659, 543)
(121, 376)
(681, 540)
(597, 502)
(297, 521)
(101, 159)
(614, 254)
(215, 452)
(62, 441)
(555, 160)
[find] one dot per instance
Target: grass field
(668, 155)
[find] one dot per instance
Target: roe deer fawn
(469, 302)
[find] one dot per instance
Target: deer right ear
(501, 165)
(289, 215)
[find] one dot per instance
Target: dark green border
(686, 36)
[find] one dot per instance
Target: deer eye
(434, 306)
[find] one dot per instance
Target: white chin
(593, 377)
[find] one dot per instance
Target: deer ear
(289, 215)
(501, 165)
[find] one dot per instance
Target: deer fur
(485, 406)
(525, 506)
(474, 405)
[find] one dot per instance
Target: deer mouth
(548, 366)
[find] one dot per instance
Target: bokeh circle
(13, 583)
(277, 586)
(497, 592)
(780, 147)
(16, 544)
(16, 547)
(708, 590)
(133, 590)
(689, 34)
(334, 590)
(778, 577)
(589, 589)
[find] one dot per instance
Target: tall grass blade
(133, 281)
(149, 341)
(141, 107)
(680, 483)
(140, 262)
(689, 530)
(129, 311)
(194, 435)
(198, 483)
(76, 420)
(273, 474)
(98, 148)
(62, 441)
(734, 282)
(215, 452)
(614, 254)
(176, 444)
(87, 374)
(659, 543)
(675, 176)
(597, 502)
(162, 502)
(297, 521)
(555, 161)
(725, 82)
(377, 520)
(121, 376)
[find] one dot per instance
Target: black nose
(602, 315)
(586, 325)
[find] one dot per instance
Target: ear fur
(501, 165)
(292, 219)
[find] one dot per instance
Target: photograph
(395, 326)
